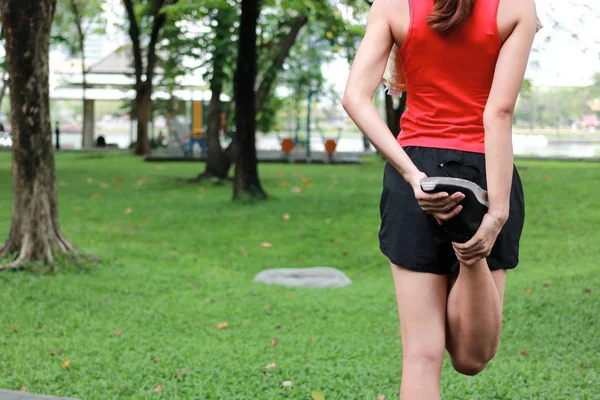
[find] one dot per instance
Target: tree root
(14, 266)
(30, 253)
(207, 175)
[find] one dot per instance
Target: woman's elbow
(348, 100)
(352, 99)
(498, 114)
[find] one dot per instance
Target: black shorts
(414, 240)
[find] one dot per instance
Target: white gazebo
(112, 79)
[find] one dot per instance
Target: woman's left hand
(480, 246)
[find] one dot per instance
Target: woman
(463, 62)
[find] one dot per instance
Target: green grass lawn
(178, 259)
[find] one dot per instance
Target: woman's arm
(365, 77)
(498, 116)
(497, 119)
(363, 82)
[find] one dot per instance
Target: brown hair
(447, 15)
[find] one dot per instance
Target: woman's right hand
(441, 205)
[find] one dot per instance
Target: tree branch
(159, 20)
(284, 50)
(134, 34)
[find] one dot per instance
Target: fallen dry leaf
(119, 332)
(578, 371)
(287, 384)
(274, 341)
(587, 291)
(312, 340)
(104, 185)
(328, 221)
(524, 352)
(381, 397)
(547, 283)
(318, 395)
(279, 328)
(266, 245)
(304, 180)
(337, 240)
(271, 366)
(59, 352)
(297, 190)
(182, 372)
(221, 326)
(546, 176)
(14, 329)
(23, 389)
(529, 290)
(156, 360)
(119, 180)
(173, 193)
(128, 211)
(66, 364)
(268, 308)
(96, 196)
(202, 189)
(286, 217)
(158, 389)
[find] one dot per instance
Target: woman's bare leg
(474, 317)
(421, 301)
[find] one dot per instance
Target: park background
(163, 305)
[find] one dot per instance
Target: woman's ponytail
(447, 15)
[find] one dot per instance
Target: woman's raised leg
(421, 301)
(474, 317)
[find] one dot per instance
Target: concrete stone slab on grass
(8, 395)
(318, 277)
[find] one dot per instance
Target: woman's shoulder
(512, 12)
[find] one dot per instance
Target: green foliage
(182, 261)
(67, 23)
(554, 106)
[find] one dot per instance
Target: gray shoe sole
(431, 185)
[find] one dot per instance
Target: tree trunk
(393, 113)
(143, 104)
(3, 88)
(217, 162)
(284, 50)
(247, 182)
(87, 139)
(35, 234)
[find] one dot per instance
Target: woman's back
(448, 76)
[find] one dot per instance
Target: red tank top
(448, 78)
